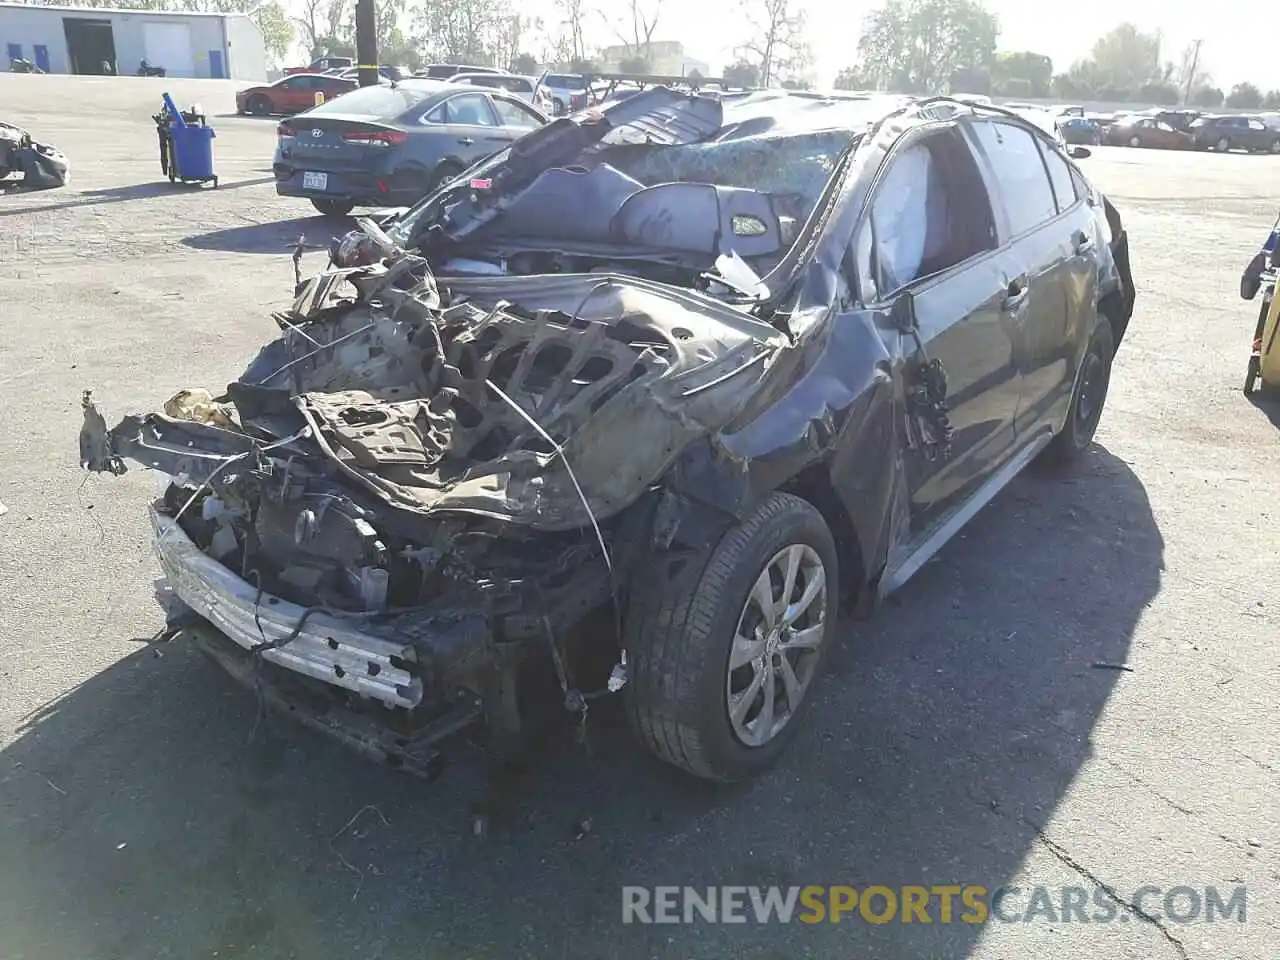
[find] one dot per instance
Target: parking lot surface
(974, 731)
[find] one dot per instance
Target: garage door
(168, 45)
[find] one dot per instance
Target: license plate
(315, 181)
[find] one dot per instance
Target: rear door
(471, 126)
(517, 118)
(295, 94)
(1048, 245)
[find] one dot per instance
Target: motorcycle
(147, 70)
(1261, 275)
(19, 65)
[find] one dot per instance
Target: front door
(932, 233)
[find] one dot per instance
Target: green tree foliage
(852, 78)
(916, 46)
(1244, 96)
(638, 66)
(525, 63)
(1210, 98)
(1272, 100)
(1022, 74)
(742, 74)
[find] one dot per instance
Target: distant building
(666, 57)
(95, 40)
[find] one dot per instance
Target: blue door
(42, 57)
(15, 51)
(215, 65)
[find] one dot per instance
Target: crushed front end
(416, 492)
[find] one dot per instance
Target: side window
(435, 115)
(930, 211)
(1257, 125)
(1060, 176)
(513, 114)
(1020, 172)
(469, 109)
(861, 264)
(292, 83)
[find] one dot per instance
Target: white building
(666, 58)
(97, 40)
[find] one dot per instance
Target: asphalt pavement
(976, 731)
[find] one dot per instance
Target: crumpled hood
(479, 400)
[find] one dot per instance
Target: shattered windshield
(753, 175)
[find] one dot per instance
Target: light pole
(367, 42)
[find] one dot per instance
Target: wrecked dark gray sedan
(637, 406)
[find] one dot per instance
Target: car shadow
(139, 191)
(1268, 401)
(273, 237)
(155, 810)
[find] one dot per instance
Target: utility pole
(1191, 73)
(367, 42)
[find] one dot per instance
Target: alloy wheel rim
(776, 644)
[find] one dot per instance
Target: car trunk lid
(336, 141)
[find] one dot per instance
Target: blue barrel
(193, 152)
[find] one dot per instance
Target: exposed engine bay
(450, 469)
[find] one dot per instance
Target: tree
(915, 46)
(525, 63)
(1208, 97)
(568, 45)
(777, 45)
(636, 28)
(852, 78)
(1272, 100)
(464, 31)
(1244, 96)
(1120, 64)
(742, 74)
(637, 66)
(1160, 92)
(1022, 74)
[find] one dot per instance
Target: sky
(1238, 42)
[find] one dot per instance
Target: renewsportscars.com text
(936, 903)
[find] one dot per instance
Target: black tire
(1135, 141)
(259, 106)
(1275, 146)
(1223, 145)
(1251, 375)
(1087, 398)
(333, 208)
(441, 175)
(680, 635)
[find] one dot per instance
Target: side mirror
(903, 312)
(1080, 153)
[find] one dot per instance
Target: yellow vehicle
(1260, 275)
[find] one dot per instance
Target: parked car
(443, 71)
(1178, 119)
(389, 72)
(387, 145)
(780, 353)
(1079, 130)
(568, 91)
(322, 65)
(528, 89)
(291, 94)
(1228, 133)
(1139, 131)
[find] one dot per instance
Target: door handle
(466, 141)
(1083, 242)
(1015, 294)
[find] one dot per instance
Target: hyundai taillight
(284, 131)
(376, 138)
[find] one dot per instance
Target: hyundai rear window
(383, 101)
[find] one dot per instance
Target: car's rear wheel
(259, 106)
(724, 654)
(441, 175)
(1135, 141)
(1251, 374)
(1223, 145)
(1275, 146)
(333, 208)
(1089, 397)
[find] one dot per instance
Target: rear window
(383, 101)
(563, 81)
(497, 81)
